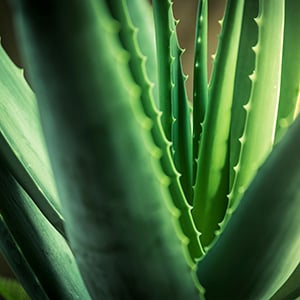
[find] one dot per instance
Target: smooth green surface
(121, 165)
(12, 290)
(141, 16)
(161, 10)
(211, 188)
(200, 84)
(22, 143)
(181, 114)
(290, 290)
(132, 42)
(242, 84)
(45, 250)
(260, 247)
(261, 109)
(115, 197)
(18, 263)
(290, 79)
(172, 93)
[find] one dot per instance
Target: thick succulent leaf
(131, 40)
(259, 130)
(260, 247)
(242, 84)
(290, 78)
(12, 290)
(111, 185)
(141, 16)
(181, 127)
(211, 188)
(15, 258)
(43, 247)
(22, 143)
(242, 91)
(161, 10)
(172, 93)
(200, 88)
(290, 290)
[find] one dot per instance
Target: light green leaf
(45, 250)
(200, 87)
(119, 215)
(181, 114)
(11, 290)
(259, 131)
(161, 11)
(132, 42)
(22, 143)
(212, 180)
(290, 290)
(242, 84)
(18, 263)
(260, 246)
(290, 78)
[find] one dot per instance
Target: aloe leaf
(181, 127)
(114, 193)
(131, 40)
(255, 254)
(22, 143)
(200, 88)
(258, 136)
(15, 258)
(43, 247)
(242, 85)
(161, 10)
(290, 78)
(172, 93)
(290, 290)
(211, 188)
(12, 290)
(141, 16)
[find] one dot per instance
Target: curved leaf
(212, 180)
(15, 258)
(43, 247)
(22, 142)
(130, 37)
(259, 131)
(200, 84)
(12, 290)
(260, 247)
(290, 78)
(112, 187)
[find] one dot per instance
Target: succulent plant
(115, 186)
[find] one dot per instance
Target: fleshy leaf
(181, 115)
(119, 215)
(260, 246)
(18, 263)
(22, 143)
(161, 9)
(43, 247)
(200, 88)
(12, 290)
(290, 290)
(211, 188)
(242, 84)
(129, 35)
(290, 78)
(259, 130)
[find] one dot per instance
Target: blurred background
(184, 10)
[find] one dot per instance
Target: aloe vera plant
(114, 186)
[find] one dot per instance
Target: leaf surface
(260, 246)
(22, 142)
